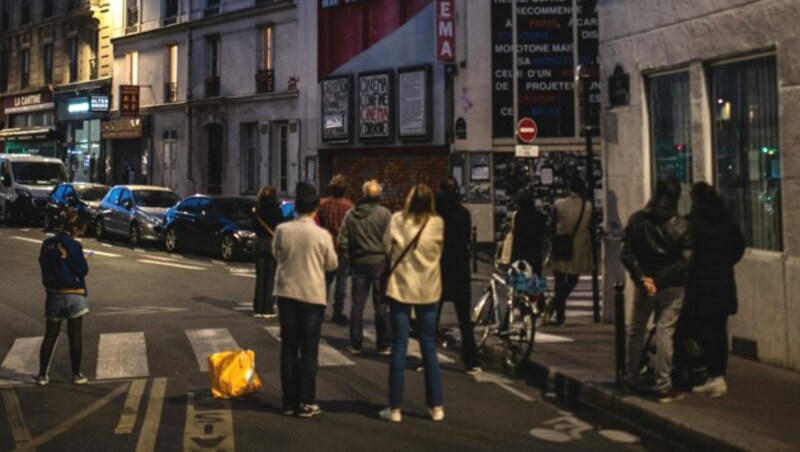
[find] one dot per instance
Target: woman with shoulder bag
(414, 243)
(267, 216)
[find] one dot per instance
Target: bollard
(619, 330)
(474, 249)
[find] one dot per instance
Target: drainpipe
(189, 108)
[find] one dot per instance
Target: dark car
(83, 197)
(215, 224)
(135, 211)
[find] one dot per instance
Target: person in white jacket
(414, 243)
(304, 252)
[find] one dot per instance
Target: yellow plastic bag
(233, 374)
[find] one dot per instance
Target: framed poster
(375, 106)
(337, 108)
(414, 120)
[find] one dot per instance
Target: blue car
(214, 224)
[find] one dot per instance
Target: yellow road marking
(209, 424)
(152, 418)
(18, 427)
(131, 410)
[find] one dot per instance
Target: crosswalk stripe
(413, 347)
(26, 239)
(103, 253)
(208, 341)
(169, 264)
(122, 355)
(544, 338)
(328, 355)
(21, 364)
(180, 260)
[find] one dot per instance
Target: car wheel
(134, 235)
(228, 248)
(171, 240)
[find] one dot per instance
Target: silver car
(135, 211)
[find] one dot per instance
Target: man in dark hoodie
(361, 248)
(656, 251)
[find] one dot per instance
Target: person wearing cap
(304, 252)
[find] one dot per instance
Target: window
(671, 131)
(248, 159)
(746, 153)
(283, 149)
(170, 12)
(171, 67)
(93, 61)
(26, 13)
(131, 13)
(265, 77)
(47, 8)
(73, 59)
(47, 63)
(25, 68)
(132, 65)
(212, 45)
(4, 63)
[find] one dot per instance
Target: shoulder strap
(580, 217)
(411, 244)
(264, 223)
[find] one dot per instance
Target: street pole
(514, 80)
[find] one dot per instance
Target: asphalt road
(155, 316)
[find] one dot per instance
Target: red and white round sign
(527, 130)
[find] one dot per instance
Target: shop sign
(337, 107)
(414, 103)
(445, 31)
(121, 129)
(375, 106)
(128, 100)
(29, 102)
(99, 103)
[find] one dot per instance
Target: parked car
(216, 224)
(82, 196)
(25, 184)
(135, 211)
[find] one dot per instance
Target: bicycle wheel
(518, 343)
(482, 318)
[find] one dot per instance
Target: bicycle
(513, 321)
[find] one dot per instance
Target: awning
(27, 133)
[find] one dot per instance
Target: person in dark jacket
(656, 251)
(330, 216)
(711, 284)
(456, 274)
(64, 269)
(529, 231)
(361, 248)
(267, 215)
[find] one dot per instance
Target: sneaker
(391, 414)
(668, 395)
(339, 318)
(307, 410)
(287, 411)
(79, 379)
(713, 387)
(420, 368)
(42, 381)
(385, 351)
(354, 350)
(475, 370)
(269, 316)
(437, 413)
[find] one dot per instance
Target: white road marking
(127, 421)
(25, 229)
(107, 245)
(138, 310)
(243, 275)
(19, 429)
(328, 355)
(241, 270)
(243, 308)
(618, 436)
(208, 341)
(505, 383)
(169, 264)
(21, 364)
(544, 338)
(217, 262)
(209, 424)
(26, 239)
(140, 250)
(152, 417)
(172, 259)
(413, 346)
(122, 355)
(103, 253)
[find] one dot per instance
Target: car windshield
(88, 193)
(155, 198)
(238, 210)
(39, 173)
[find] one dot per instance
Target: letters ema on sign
(445, 31)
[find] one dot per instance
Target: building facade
(55, 79)
(708, 91)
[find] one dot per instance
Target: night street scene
(365, 225)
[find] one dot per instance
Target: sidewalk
(576, 362)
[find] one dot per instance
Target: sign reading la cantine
(337, 106)
(375, 106)
(28, 102)
(128, 100)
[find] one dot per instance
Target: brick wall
(397, 171)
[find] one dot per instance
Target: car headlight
(155, 221)
(244, 235)
(23, 192)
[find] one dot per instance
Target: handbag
(563, 247)
(390, 269)
(233, 374)
(508, 244)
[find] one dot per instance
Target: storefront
(79, 119)
(30, 125)
(127, 159)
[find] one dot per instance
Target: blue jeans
(338, 277)
(426, 334)
(366, 277)
(301, 325)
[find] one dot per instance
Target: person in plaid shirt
(330, 215)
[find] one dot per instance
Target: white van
(25, 185)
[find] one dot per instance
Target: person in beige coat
(413, 242)
(566, 273)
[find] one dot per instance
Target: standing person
(456, 274)
(361, 248)
(330, 215)
(64, 269)
(711, 283)
(304, 252)
(573, 217)
(267, 215)
(656, 251)
(529, 230)
(413, 243)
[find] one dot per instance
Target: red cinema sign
(527, 130)
(445, 30)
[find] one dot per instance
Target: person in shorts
(64, 269)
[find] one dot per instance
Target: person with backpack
(64, 269)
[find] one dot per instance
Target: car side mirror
(127, 204)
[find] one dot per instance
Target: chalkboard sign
(414, 103)
(375, 106)
(337, 106)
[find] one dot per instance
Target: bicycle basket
(521, 278)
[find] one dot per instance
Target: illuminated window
(132, 67)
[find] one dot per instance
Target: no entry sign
(527, 130)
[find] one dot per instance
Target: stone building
(711, 91)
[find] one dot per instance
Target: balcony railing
(170, 93)
(93, 69)
(169, 20)
(265, 81)
(212, 86)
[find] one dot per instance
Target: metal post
(514, 67)
(474, 249)
(619, 330)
